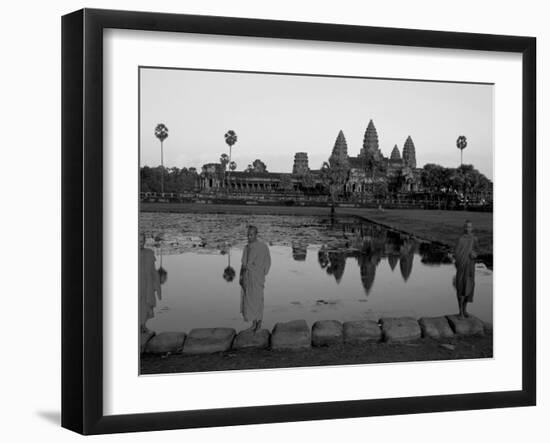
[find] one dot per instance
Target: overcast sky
(275, 116)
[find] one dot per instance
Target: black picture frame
(82, 219)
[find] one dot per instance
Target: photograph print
(290, 220)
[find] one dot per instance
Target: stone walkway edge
(296, 334)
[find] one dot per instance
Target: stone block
(435, 327)
(208, 340)
(466, 326)
(362, 331)
(291, 335)
(249, 339)
(144, 338)
(400, 329)
(166, 342)
(326, 333)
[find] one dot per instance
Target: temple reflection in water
(369, 244)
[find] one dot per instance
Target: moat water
(322, 269)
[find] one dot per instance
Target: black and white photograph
(306, 220)
(275, 221)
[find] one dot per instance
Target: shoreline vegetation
(438, 226)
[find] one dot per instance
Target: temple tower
(370, 141)
(409, 153)
(395, 154)
(301, 163)
(340, 150)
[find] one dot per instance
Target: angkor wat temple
(371, 167)
(364, 174)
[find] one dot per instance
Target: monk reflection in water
(256, 262)
(466, 251)
(149, 283)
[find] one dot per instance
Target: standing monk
(465, 261)
(256, 262)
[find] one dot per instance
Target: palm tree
(461, 144)
(230, 139)
(161, 132)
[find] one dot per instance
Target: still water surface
(322, 269)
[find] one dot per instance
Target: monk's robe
(256, 262)
(149, 283)
(465, 254)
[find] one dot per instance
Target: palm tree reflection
(163, 273)
(229, 272)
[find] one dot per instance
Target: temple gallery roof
(249, 175)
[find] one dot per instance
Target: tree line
(440, 182)
(464, 180)
(175, 179)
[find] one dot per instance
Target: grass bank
(425, 349)
(440, 226)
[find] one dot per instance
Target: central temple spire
(370, 142)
